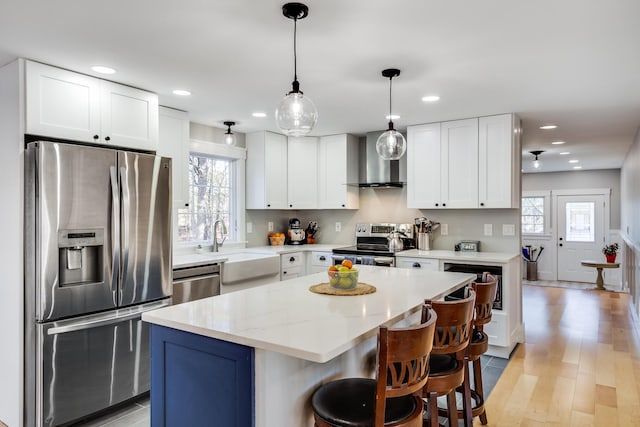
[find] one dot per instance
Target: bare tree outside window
(533, 215)
(210, 195)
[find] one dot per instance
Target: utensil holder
(424, 242)
(532, 270)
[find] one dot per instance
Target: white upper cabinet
(338, 167)
(266, 171)
(461, 164)
(459, 159)
(423, 166)
(62, 104)
(499, 161)
(68, 105)
(173, 141)
(129, 116)
(302, 171)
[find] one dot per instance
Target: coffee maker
(295, 234)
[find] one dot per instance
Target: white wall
(390, 205)
(11, 226)
(630, 219)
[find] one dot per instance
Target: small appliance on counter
(295, 234)
(468, 246)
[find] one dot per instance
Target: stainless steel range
(373, 244)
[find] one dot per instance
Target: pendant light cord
(295, 55)
(390, 121)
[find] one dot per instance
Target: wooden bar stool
(394, 397)
(485, 295)
(452, 335)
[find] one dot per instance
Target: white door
(581, 234)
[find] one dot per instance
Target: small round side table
(599, 266)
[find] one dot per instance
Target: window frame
(237, 155)
(546, 213)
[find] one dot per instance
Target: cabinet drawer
(497, 330)
(423, 263)
(320, 259)
(291, 260)
(291, 273)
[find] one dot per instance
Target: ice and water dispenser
(80, 255)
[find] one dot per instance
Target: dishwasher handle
(196, 272)
(192, 278)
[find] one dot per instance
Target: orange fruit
(333, 268)
(347, 263)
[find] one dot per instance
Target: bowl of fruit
(343, 276)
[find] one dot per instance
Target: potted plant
(610, 252)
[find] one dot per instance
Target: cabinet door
(337, 167)
(275, 166)
(173, 141)
(495, 165)
(129, 117)
(302, 170)
(423, 166)
(61, 103)
(459, 158)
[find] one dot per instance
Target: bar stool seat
(395, 396)
(351, 402)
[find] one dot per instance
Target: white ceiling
(574, 63)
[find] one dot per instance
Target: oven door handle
(388, 261)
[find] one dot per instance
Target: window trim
(238, 155)
(546, 194)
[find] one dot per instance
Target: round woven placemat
(326, 288)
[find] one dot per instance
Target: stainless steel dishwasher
(197, 282)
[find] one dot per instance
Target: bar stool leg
(452, 409)
(477, 379)
(432, 402)
(466, 398)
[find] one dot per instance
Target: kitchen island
(255, 357)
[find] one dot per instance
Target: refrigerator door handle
(106, 321)
(115, 234)
(126, 207)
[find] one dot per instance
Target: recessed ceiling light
(547, 127)
(574, 161)
(557, 143)
(259, 114)
(102, 69)
(430, 98)
(577, 167)
(564, 153)
(392, 117)
(181, 92)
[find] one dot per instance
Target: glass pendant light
(296, 115)
(391, 145)
(536, 163)
(229, 137)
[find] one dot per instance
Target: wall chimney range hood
(378, 173)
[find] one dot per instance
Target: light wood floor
(579, 365)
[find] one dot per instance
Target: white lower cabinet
(423, 263)
(318, 262)
(292, 265)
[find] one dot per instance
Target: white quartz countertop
(195, 259)
(494, 257)
(287, 318)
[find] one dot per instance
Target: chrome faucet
(216, 244)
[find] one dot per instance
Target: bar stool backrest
(485, 295)
(403, 361)
(454, 324)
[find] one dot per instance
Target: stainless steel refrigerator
(97, 255)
